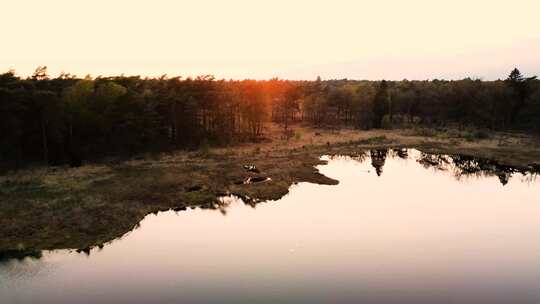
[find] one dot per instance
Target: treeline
(68, 119)
(513, 103)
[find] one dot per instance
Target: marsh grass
(82, 207)
(371, 140)
(297, 135)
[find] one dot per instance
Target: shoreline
(80, 208)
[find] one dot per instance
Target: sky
(291, 39)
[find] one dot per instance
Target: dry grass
(45, 208)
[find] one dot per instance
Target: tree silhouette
(380, 104)
(521, 87)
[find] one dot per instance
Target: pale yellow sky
(412, 39)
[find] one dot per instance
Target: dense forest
(69, 120)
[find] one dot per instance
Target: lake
(401, 226)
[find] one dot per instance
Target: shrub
(204, 147)
(372, 140)
(297, 135)
(386, 123)
(425, 132)
(481, 134)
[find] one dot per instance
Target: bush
(481, 135)
(386, 123)
(476, 135)
(297, 135)
(372, 140)
(452, 133)
(204, 147)
(425, 132)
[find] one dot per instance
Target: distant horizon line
(185, 77)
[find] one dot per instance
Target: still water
(401, 227)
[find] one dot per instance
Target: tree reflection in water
(470, 166)
(459, 165)
(378, 158)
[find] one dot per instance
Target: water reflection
(389, 232)
(378, 158)
(7, 255)
(459, 165)
(463, 165)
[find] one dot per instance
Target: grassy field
(51, 208)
